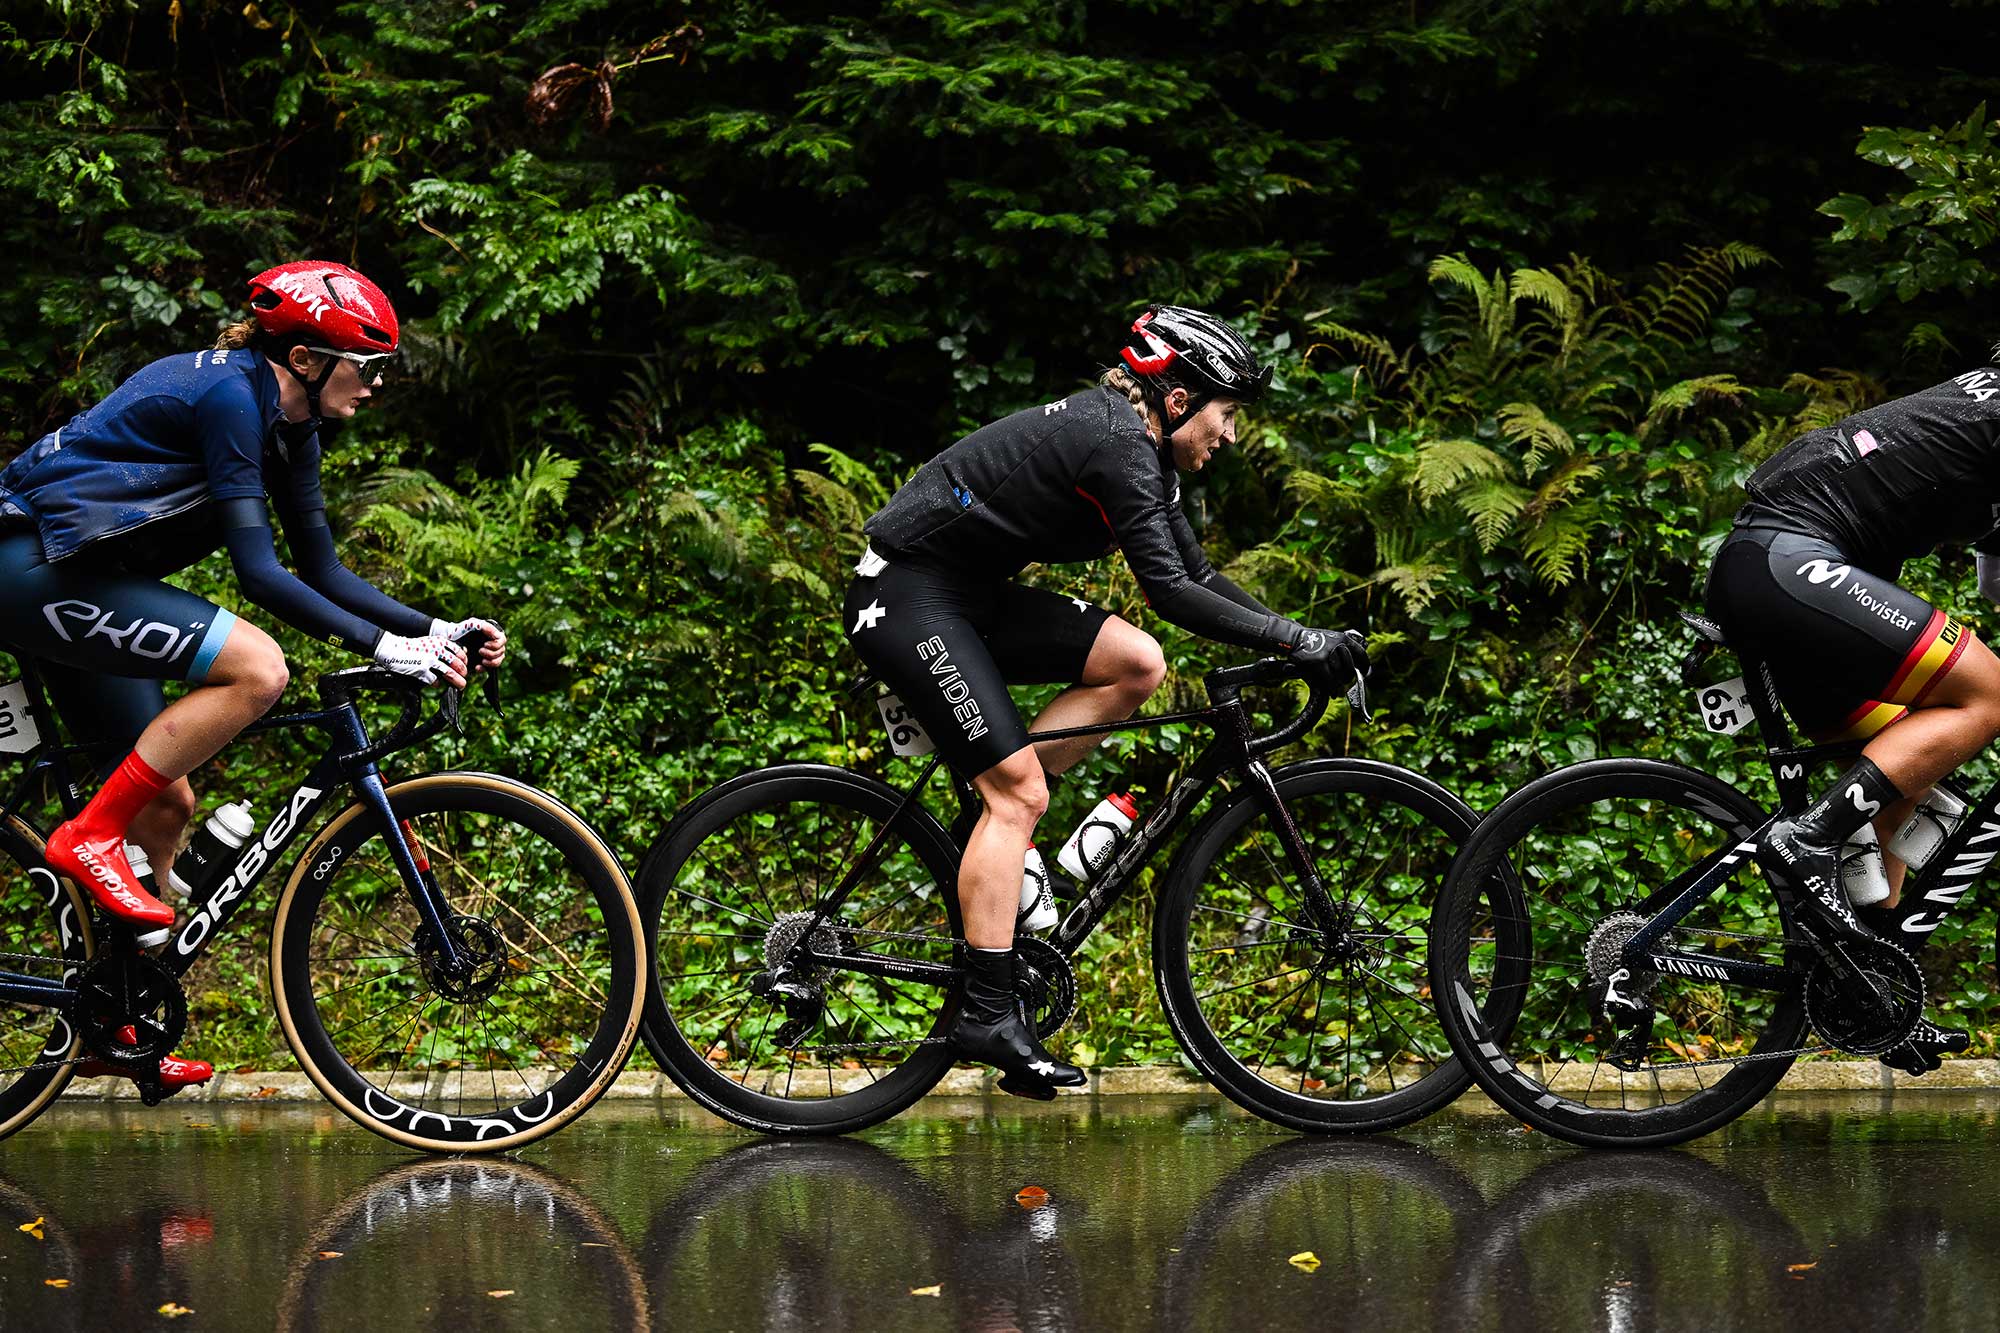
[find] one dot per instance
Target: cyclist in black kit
(933, 610)
(1806, 582)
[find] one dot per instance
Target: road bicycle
(805, 933)
(1615, 968)
(456, 958)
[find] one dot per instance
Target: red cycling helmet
(314, 303)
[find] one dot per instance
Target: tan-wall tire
(290, 1007)
(13, 827)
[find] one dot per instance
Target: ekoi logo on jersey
(154, 640)
(952, 686)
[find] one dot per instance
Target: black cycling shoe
(1926, 1046)
(993, 1028)
(1814, 867)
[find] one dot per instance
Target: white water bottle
(1862, 873)
(225, 831)
(142, 870)
(1935, 819)
(1096, 839)
(1038, 900)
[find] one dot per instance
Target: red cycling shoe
(174, 1072)
(98, 863)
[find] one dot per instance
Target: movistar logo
(1821, 571)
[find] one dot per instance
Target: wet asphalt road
(1159, 1213)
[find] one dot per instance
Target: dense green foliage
(688, 288)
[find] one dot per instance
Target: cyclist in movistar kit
(934, 612)
(179, 460)
(1806, 582)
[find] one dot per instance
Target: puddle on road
(1822, 1212)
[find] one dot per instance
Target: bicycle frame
(1928, 896)
(348, 760)
(1234, 748)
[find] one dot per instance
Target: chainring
(1047, 982)
(130, 990)
(1846, 1025)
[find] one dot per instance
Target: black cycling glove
(1337, 655)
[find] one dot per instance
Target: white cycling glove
(491, 652)
(427, 659)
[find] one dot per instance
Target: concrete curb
(1118, 1081)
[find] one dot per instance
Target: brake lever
(1357, 697)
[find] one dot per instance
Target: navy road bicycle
(456, 957)
(805, 933)
(1616, 969)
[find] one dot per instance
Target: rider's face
(1209, 429)
(347, 389)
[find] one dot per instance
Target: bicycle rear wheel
(483, 1063)
(45, 934)
(1325, 1027)
(725, 893)
(1596, 850)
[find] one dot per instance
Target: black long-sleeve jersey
(1064, 483)
(1893, 481)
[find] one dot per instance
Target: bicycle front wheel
(484, 1062)
(1593, 852)
(1320, 1025)
(727, 892)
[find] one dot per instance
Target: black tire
(764, 846)
(46, 930)
(1249, 986)
(559, 1005)
(1575, 846)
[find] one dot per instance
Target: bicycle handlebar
(338, 688)
(1226, 684)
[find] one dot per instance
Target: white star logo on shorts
(870, 613)
(1081, 605)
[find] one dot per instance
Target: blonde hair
(237, 336)
(1120, 380)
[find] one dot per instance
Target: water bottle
(1862, 873)
(1096, 839)
(1038, 901)
(209, 853)
(142, 870)
(1935, 819)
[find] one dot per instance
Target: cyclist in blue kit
(934, 611)
(181, 459)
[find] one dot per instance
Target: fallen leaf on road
(265, 1092)
(172, 1311)
(55, 1282)
(1305, 1261)
(1801, 1268)
(504, 1291)
(927, 1291)
(1315, 1084)
(33, 1228)
(1032, 1196)
(331, 1254)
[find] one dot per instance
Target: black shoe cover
(1009, 1045)
(1923, 1051)
(1815, 870)
(1020, 1085)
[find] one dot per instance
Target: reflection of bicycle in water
(814, 1234)
(1380, 1216)
(442, 1236)
(1625, 1242)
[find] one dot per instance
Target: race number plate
(907, 736)
(1724, 707)
(18, 733)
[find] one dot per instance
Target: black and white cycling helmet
(1174, 347)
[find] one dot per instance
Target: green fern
(1443, 465)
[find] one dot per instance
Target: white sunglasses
(365, 362)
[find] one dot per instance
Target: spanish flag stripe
(1914, 663)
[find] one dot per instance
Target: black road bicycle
(1615, 968)
(456, 957)
(805, 930)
